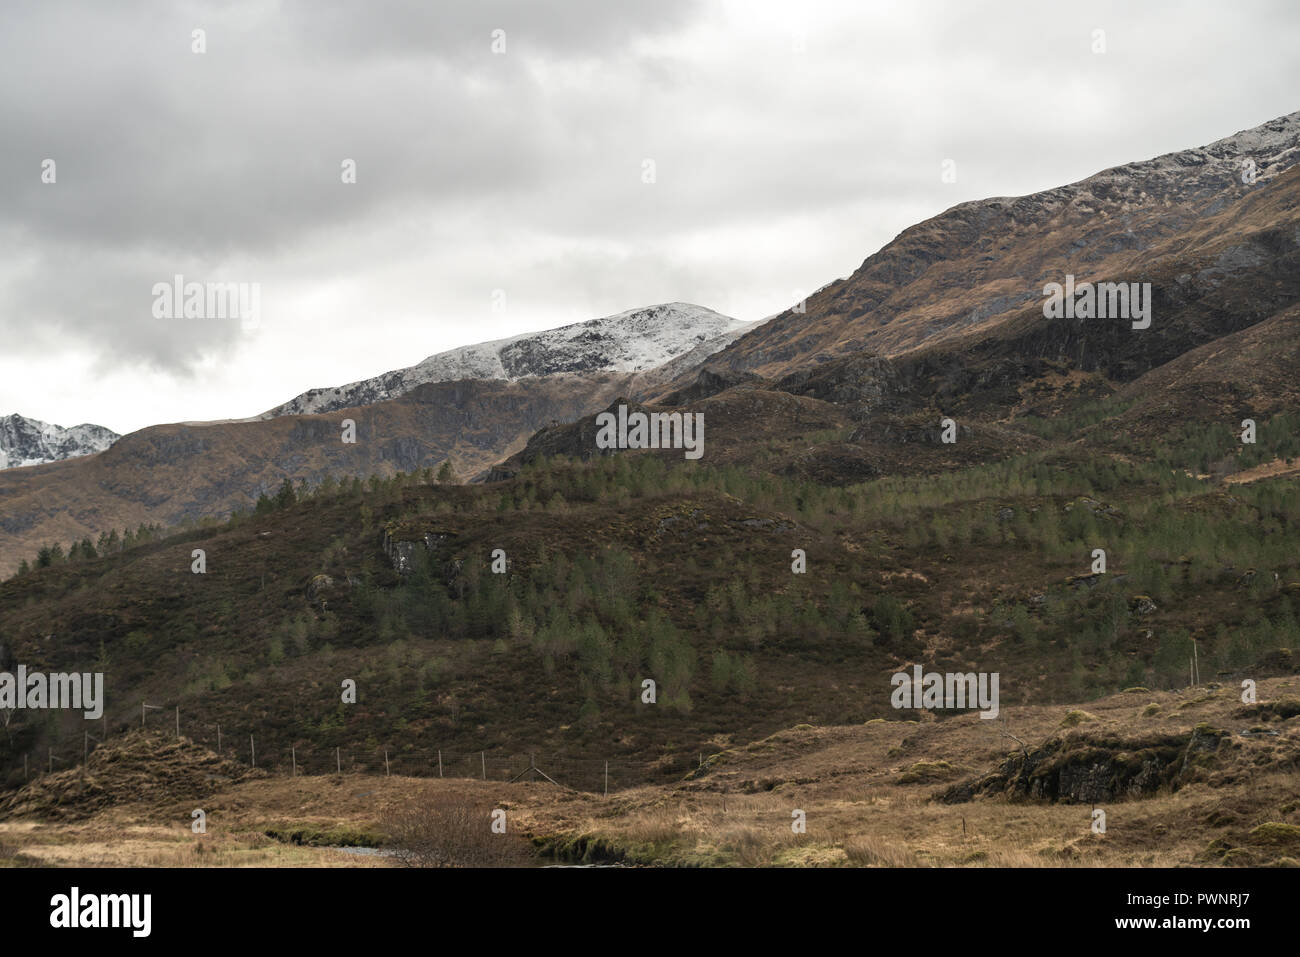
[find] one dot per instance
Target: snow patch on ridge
(25, 441)
(633, 341)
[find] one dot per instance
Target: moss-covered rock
(1075, 718)
(1078, 767)
(1238, 857)
(1276, 834)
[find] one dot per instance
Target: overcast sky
(789, 142)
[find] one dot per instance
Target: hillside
(937, 500)
(945, 321)
(625, 567)
(972, 268)
(472, 406)
(170, 474)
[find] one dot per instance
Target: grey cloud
(524, 170)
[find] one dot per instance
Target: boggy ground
(1179, 783)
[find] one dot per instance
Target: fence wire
(581, 773)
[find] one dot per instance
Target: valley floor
(867, 793)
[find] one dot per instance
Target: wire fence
(237, 744)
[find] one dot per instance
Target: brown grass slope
(873, 795)
(171, 473)
(1251, 373)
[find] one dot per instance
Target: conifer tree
(286, 496)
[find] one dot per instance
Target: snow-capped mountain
(634, 341)
(25, 441)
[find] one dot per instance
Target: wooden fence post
(143, 707)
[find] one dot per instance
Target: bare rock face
(574, 439)
(25, 441)
(866, 383)
(707, 383)
(405, 553)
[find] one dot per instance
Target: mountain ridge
(636, 340)
(944, 323)
(25, 441)
(980, 262)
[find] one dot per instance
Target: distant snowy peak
(25, 441)
(634, 341)
(631, 341)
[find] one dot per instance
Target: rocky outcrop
(1081, 768)
(406, 553)
(865, 383)
(709, 382)
(574, 440)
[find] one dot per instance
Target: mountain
(976, 265)
(945, 320)
(170, 474)
(836, 533)
(25, 441)
(634, 341)
(473, 406)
